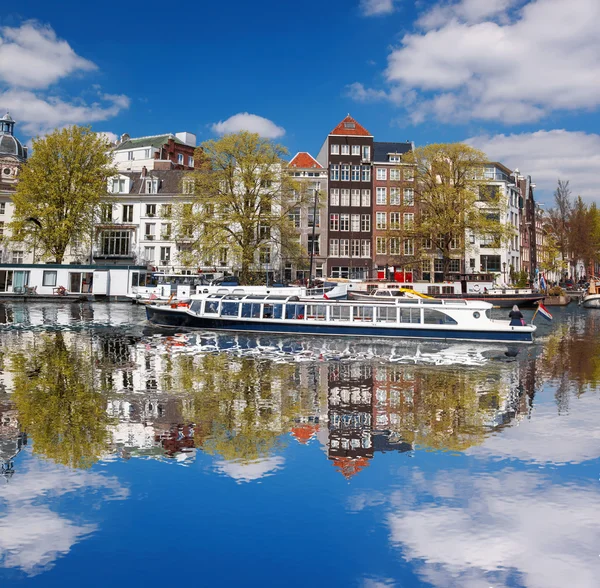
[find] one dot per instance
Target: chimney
(124, 137)
(144, 172)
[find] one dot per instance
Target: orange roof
(304, 159)
(350, 127)
(304, 433)
(349, 466)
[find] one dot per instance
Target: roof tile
(304, 159)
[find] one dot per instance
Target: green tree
(559, 217)
(57, 402)
(59, 188)
(242, 196)
(454, 197)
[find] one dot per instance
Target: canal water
(132, 456)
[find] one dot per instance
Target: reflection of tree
(241, 406)
(57, 403)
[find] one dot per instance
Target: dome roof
(10, 145)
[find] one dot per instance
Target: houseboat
(407, 318)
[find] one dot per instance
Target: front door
(75, 282)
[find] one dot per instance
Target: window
(454, 265)
(127, 213)
(334, 174)
(130, 155)
(146, 153)
(366, 173)
(151, 186)
(356, 173)
(355, 201)
(366, 153)
(106, 213)
(345, 149)
(395, 196)
(335, 149)
(394, 246)
(426, 269)
(17, 256)
(381, 197)
(165, 231)
(1, 228)
(394, 220)
(489, 193)
(149, 254)
(380, 221)
(409, 175)
(340, 272)
(150, 210)
(344, 222)
(118, 186)
(395, 174)
(365, 248)
(454, 243)
(344, 247)
(380, 246)
(355, 247)
(188, 186)
(365, 223)
(2, 207)
(150, 231)
(166, 210)
(115, 242)
(427, 243)
(355, 149)
(49, 278)
(355, 223)
(394, 158)
(312, 217)
(165, 254)
(490, 241)
(334, 247)
(381, 173)
(190, 161)
(180, 158)
(315, 244)
(334, 222)
(438, 265)
(294, 216)
(409, 197)
(366, 198)
(345, 200)
(409, 247)
(408, 219)
(345, 173)
(334, 197)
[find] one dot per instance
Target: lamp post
(504, 271)
(38, 226)
(312, 245)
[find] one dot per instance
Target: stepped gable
(304, 160)
(349, 127)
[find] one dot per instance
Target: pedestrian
(516, 317)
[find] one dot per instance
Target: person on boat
(516, 317)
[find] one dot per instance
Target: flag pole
(535, 313)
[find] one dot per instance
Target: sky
(519, 79)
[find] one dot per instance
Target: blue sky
(518, 78)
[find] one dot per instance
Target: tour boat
(407, 318)
(591, 298)
(386, 294)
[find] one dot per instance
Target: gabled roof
(153, 141)
(304, 433)
(382, 150)
(349, 466)
(349, 127)
(170, 180)
(304, 159)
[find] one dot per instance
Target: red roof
(350, 127)
(349, 466)
(304, 159)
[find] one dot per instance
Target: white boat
(591, 298)
(407, 318)
(386, 294)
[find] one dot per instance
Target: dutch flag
(544, 312)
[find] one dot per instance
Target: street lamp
(312, 245)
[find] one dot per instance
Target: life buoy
(476, 288)
(300, 317)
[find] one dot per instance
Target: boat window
(294, 311)
(488, 314)
(397, 293)
(409, 301)
(433, 301)
(315, 311)
(229, 308)
(435, 317)
(363, 313)
(383, 293)
(272, 311)
(277, 311)
(432, 290)
(211, 307)
(386, 314)
(339, 313)
(251, 310)
(410, 315)
(195, 306)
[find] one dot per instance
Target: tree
(559, 217)
(59, 188)
(242, 197)
(453, 197)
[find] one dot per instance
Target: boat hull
(591, 301)
(166, 317)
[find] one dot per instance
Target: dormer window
(119, 186)
(151, 186)
(395, 158)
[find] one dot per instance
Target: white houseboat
(407, 318)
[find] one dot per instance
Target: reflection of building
(12, 439)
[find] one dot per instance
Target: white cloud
(488, 61)
(376, 7)
(244, 121)
(110, 137)
(32, 62)
(31, 56)
(250, 471)
(547, 156)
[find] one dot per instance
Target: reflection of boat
(591, 298)
(417, 318)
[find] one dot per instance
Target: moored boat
(407, 318)
(591, 298)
